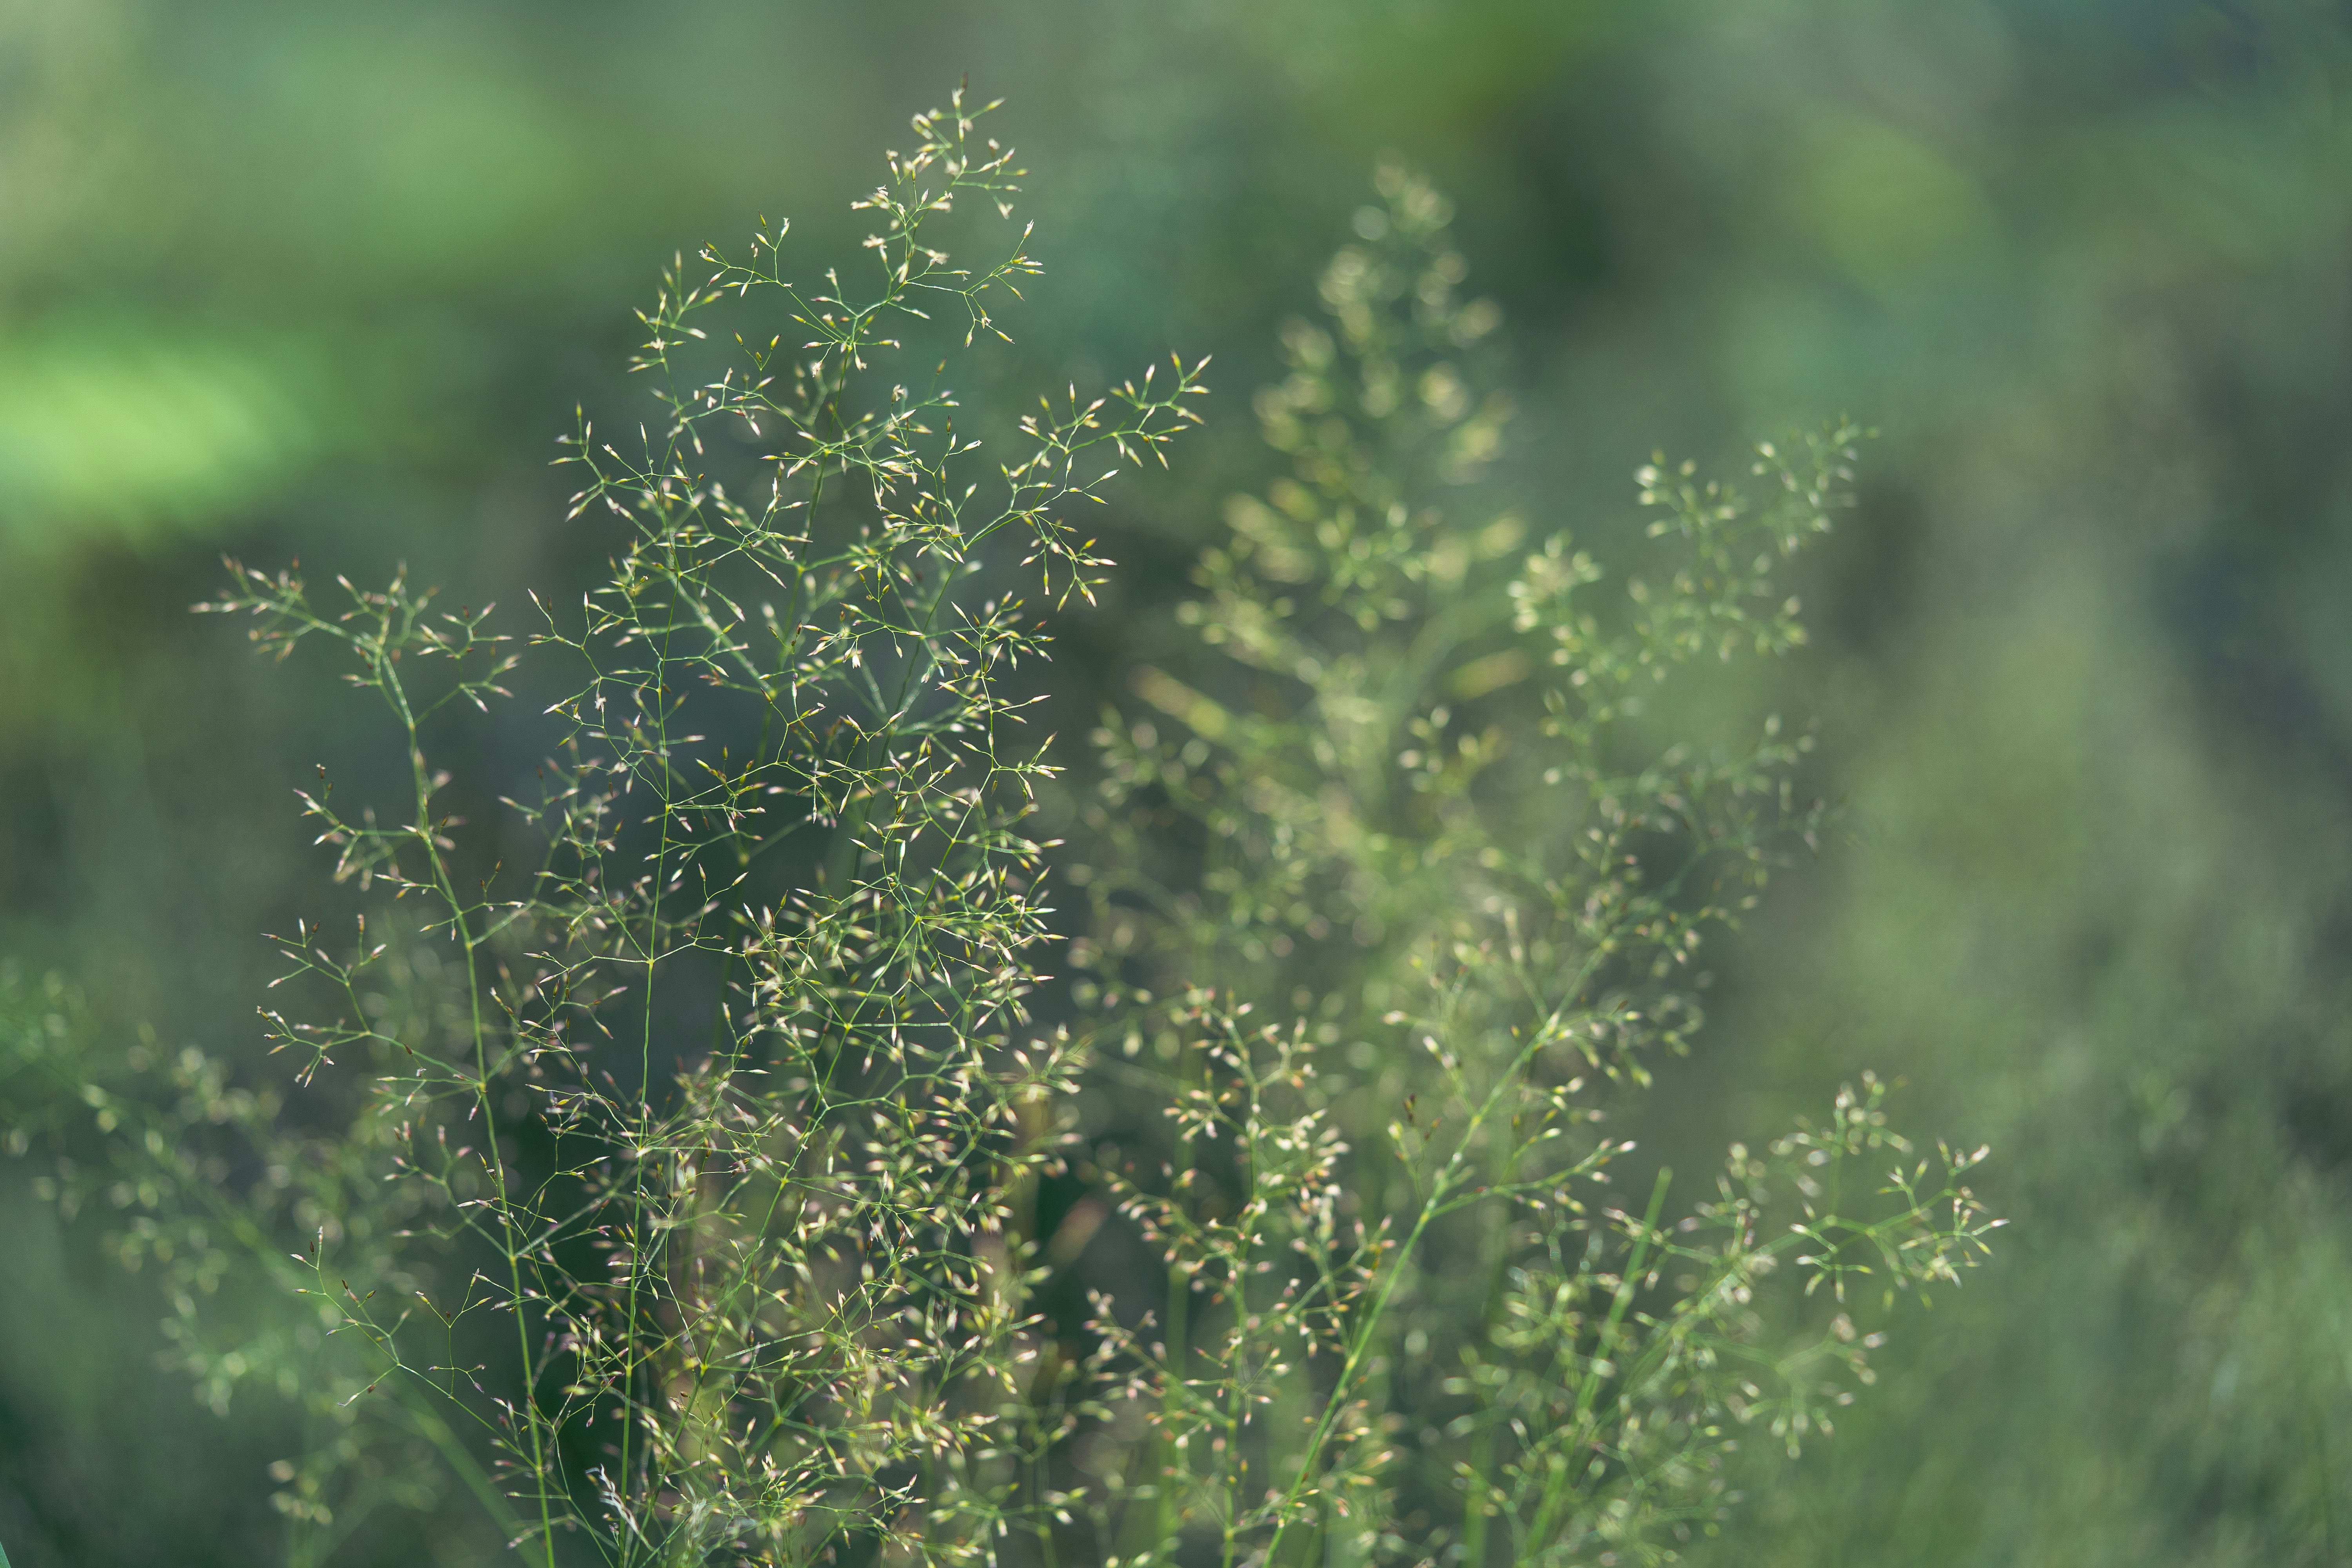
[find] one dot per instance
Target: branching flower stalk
(1436, 834)
(758, 1294)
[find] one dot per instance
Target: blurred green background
(326, 280)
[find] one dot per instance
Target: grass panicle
(1446, 865)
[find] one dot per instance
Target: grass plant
(684, 1166)
(1441, 885)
